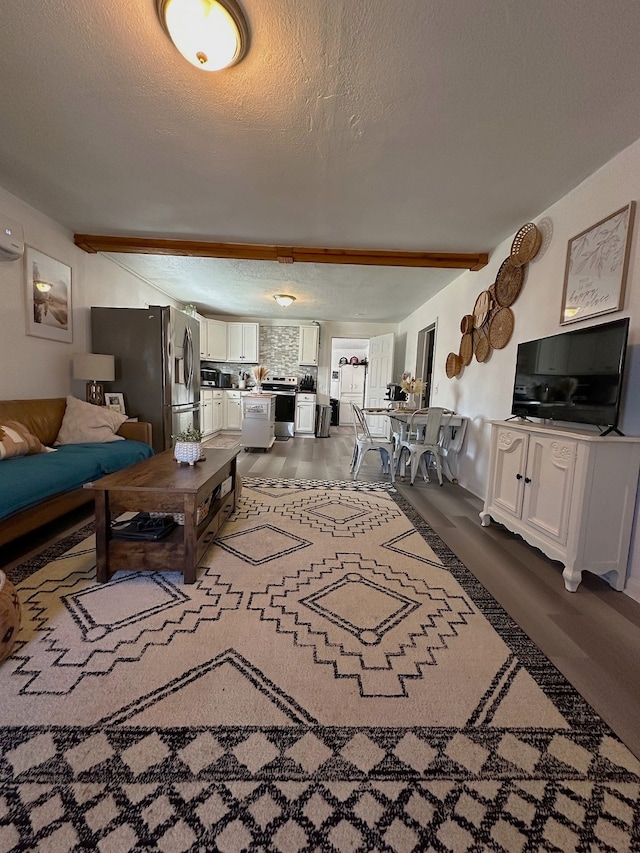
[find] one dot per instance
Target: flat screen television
(575, 376)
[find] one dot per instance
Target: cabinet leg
(485, 519)
(572, 578)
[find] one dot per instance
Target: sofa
(43, 480)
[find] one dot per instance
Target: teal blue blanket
(29, 479)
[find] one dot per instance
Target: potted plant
(188, 445)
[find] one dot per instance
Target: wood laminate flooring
(592, 635)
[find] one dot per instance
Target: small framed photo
(596, 268)
(48, 297)
(115, 401)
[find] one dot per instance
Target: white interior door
(380, 375)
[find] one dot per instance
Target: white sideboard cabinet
(571, 494)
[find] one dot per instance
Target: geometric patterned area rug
(335, 680)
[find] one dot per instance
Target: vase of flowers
(260, 373)
(414, 388)
(188, 445)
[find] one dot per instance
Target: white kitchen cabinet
(352, 378)
(242, 342)
(216, 340)
(308, 345)
(202, 323)
(233, 412)
(570, 494)
(305, 422)
(206, 412)
(217, 407)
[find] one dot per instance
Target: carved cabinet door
(509, 467)
(551, 465)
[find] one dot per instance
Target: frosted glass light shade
(210, 34)
(284, 299)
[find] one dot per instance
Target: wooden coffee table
(160, 484)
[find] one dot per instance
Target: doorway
(424, 361)
(348, 384)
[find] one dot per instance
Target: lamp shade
(94, 367)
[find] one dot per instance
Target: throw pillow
(84, 422)
(16, 440)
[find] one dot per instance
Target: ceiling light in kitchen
(284, 299)
(210, 34)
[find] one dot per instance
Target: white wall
(34, 367)
(483, 391)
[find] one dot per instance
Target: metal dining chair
(364, 442)
(424, 441)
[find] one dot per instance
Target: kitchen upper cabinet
(216, 340)
(202, 323)
(570, 494)
(308, 346)
(242, 342)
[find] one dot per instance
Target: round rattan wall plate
(482, 348)
(501, 328)
(481, 309)
(466, 324)
(466, 348)
(453, 365)
(526, 245)
(508, 283)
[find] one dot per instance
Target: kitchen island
(258, 421)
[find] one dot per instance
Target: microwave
(210, 376)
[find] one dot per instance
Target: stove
(284, 387)
(281, 384)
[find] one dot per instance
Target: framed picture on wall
(48, 297)
(596, 268)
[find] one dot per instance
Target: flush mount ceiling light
(210, 34)
(284, 299)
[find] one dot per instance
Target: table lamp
(95, 369)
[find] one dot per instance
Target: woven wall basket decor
(466, 348)
(526, 244)
(481, 309)
(508, 283)
(482, 349)
(501, 328)
(466, 324)
(453, 365)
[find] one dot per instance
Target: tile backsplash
(278, 353)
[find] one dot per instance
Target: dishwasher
(258, 421)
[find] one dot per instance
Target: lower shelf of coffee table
(169, 553)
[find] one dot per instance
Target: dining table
(452, 432)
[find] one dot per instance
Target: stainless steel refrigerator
(157, 352)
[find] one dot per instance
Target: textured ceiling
(429, 125)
